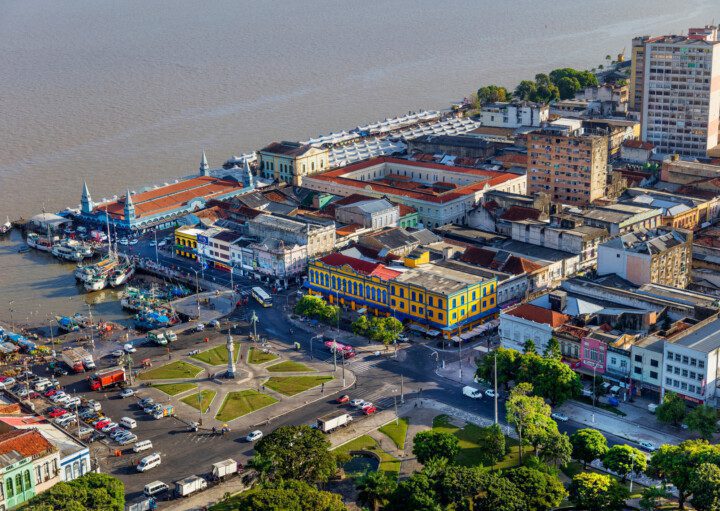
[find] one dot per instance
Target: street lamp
(197, 293)
(254, 320)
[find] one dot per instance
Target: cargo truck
(75, 357)
(332, 421)
(189, 485)
(164, 411)
(224, 468)
(107, 378)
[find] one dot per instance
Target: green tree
(703, 420)
(287, 495)
(568, 87)
(297, 452)
(311, 307)
(497, 493)
(555, 381)
(705, 487)
(508, 361)
(524, 412)
(525, 90)
(435, 444)
(597, 492)
(87, 493)
(557, 450)
(587, 445)
(676, 464)
(459, 485)
(417, 492)
(494, 446)
(529, 347)
(623, 459)
(360, 325)
(492, 94)
(672, 409)
(543, 491)
(587, 79)
(375, 488)
(651, 497)
(386, 330)
(552, 350)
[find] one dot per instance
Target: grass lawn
(396, 432)
(256, 356)
(207, 397)
(470, 444)
(217, 356)
(291, 385)
(172, 371)
(173, 389)
(241, 403)
(290, 366)
(388, 463)
(229, 504)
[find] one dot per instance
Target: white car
(254, 435)
(357, 403)
(129, 348)
(117, 353)
(153, 243)
(162, 243)
(127, 393)
(109, 427)
(134, 241)
(73, 401)
(490, 393)
(123, 241)
(649, 446)
(59, 397)
(559, 416)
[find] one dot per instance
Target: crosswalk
(358, 365)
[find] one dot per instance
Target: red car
(369, 410)
(50, 392)
(102, 424)
(34, 395)
(57, 412)
(343, 399)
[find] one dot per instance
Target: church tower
(129, 209)
(204, 167)
(248, 180)
(86, 203)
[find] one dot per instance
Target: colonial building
(290, 162)
(527, 322)
(317, 236)
(514, 115)
(373, 213)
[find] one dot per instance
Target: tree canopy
(543, 491)
(315, 307)
(383, 330)
(528, 414)
(588, 444)
(703, 420)
(597, 492)
(435, 444)
(672, 410)
(287, 495)
(90, 492)
(492, 94)
(375, 488)
(705, 487)
(623, 459)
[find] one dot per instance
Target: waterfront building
(566, 163)
(514, 114)
(435, 297)
(681, 93)
(163, 206)
(441, 194)
(315, 234)
(290, 162)
(464, 146)
(186, 241)
(662, 256)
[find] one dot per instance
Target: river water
(129, 93)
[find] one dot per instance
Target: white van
(472, 392)
(155, 487)
(142, 446)
(148, 462)
(128, 423)
(42, 385)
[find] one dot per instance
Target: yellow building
(290, 161)
(446, 297)
(186, 241)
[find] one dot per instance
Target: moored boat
(63, 251)
(67, 324)
(38, 242)
(121, 274)
(96, 283)
(6, 227)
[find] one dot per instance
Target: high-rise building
(637, 73)
(567, 163)
(681, 92)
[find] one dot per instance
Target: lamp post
(197, 293)
(156, 248)
(254, 320)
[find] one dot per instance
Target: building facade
(186, 241)
(514, 115)
(374, 214)
(567, 164)
(318, 237)
(289, 162)
(528, 322)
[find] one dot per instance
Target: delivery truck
(75, 358)
(189, 485)
(107, 378)
(224, 468)
(163, 411)
(332, 421)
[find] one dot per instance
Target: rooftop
(538, 315)
(285, 148)
(703, 337)
(440, 279)
(361, 266)
(26, 442)
(646, 241)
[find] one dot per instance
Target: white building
(647, 363)
(529, 322)
(514, 115)
(374, 214)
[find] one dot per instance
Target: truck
(224, 468)
(332, 421)
(107, 378)
(189, 485)
(472, 392)
(157, 337)
(164, 411)
(89, 363)
(74, 357)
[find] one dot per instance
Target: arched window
(333, 281)
(355, 286)
(18, 483)
(384, 296)
(9, 487)
(372, 293)
(76, 469)
(360, 289)
(327, 280)
(68, 473)
(27, 479)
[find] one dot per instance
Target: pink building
(593, 354)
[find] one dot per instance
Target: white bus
(262, 297)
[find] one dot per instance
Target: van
(148, 462)
(155, 487)
(142, 446)
(128, 423)
(42, 385)
(472, 392)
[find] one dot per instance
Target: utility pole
(496, 389)
(402, 389)
(343, 370)
(156, 248)
(335, 356)
(197, 294)
(396, 410)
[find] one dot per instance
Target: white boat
(38, 242)
(83, 248)
(64, 252)
(102, 268)
(6, 227)
(96, 283)
(121, 275)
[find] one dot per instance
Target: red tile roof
(406, 210)
(537, 314)
(573, 331)
(27, 442)
(483, 257)
(346, 230)
(364, 267)
(515, 213)
(638, 144)
(513, 159)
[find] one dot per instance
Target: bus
(262, 297)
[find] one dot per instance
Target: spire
(231, 357)
(247, 175)
(129, 208)
(204, 168)
(86, 203)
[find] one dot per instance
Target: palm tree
(263, 466)
(375, 488)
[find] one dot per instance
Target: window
(421, 310)
(38, 473)
(430, 301)
(677, 370)
(693, 375)
(19, 483)
(701, 364)
(638, 358)
(412, 308)
(653, 375)
(462, 300)
(68, 473)
(654, 363)
(668, 368)
(638, 370)
(474, 307)
(440, 316)
(473, 295)
(392, 302)
(683, 386)
(430, 313)
(412, 295)
(691, 388)
(9, 486)
(670, 355)
(454, 303)
(613, 361)
(685, 373)
(26, 474)
(454, 316)
(685, 359)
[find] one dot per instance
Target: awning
(614, 389)
(418, 328)
(362, 310)
(433, 333)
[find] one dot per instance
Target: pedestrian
(214, 430)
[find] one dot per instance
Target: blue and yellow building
(186, 241)
(446, 296)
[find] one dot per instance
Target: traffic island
(200, 400)
(292, 385)
(367, 444)
(243, 402)
(173, 389)
(216, 356)
(290, 366)
(396, 431)
(177, 370)
(258, 356)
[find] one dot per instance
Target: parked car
(343, 399)
(127, 393)
(101, 423)
(490, 393)
(129, 348)
(50, 392)
(73, 401)
(369, 410)
(127, 439)
(33, 395)
(56, 412)
(145, 402)
(254, 436)
(109, 427)
(559, 416)
(117, 353)
(649, 446)
(357, 403)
